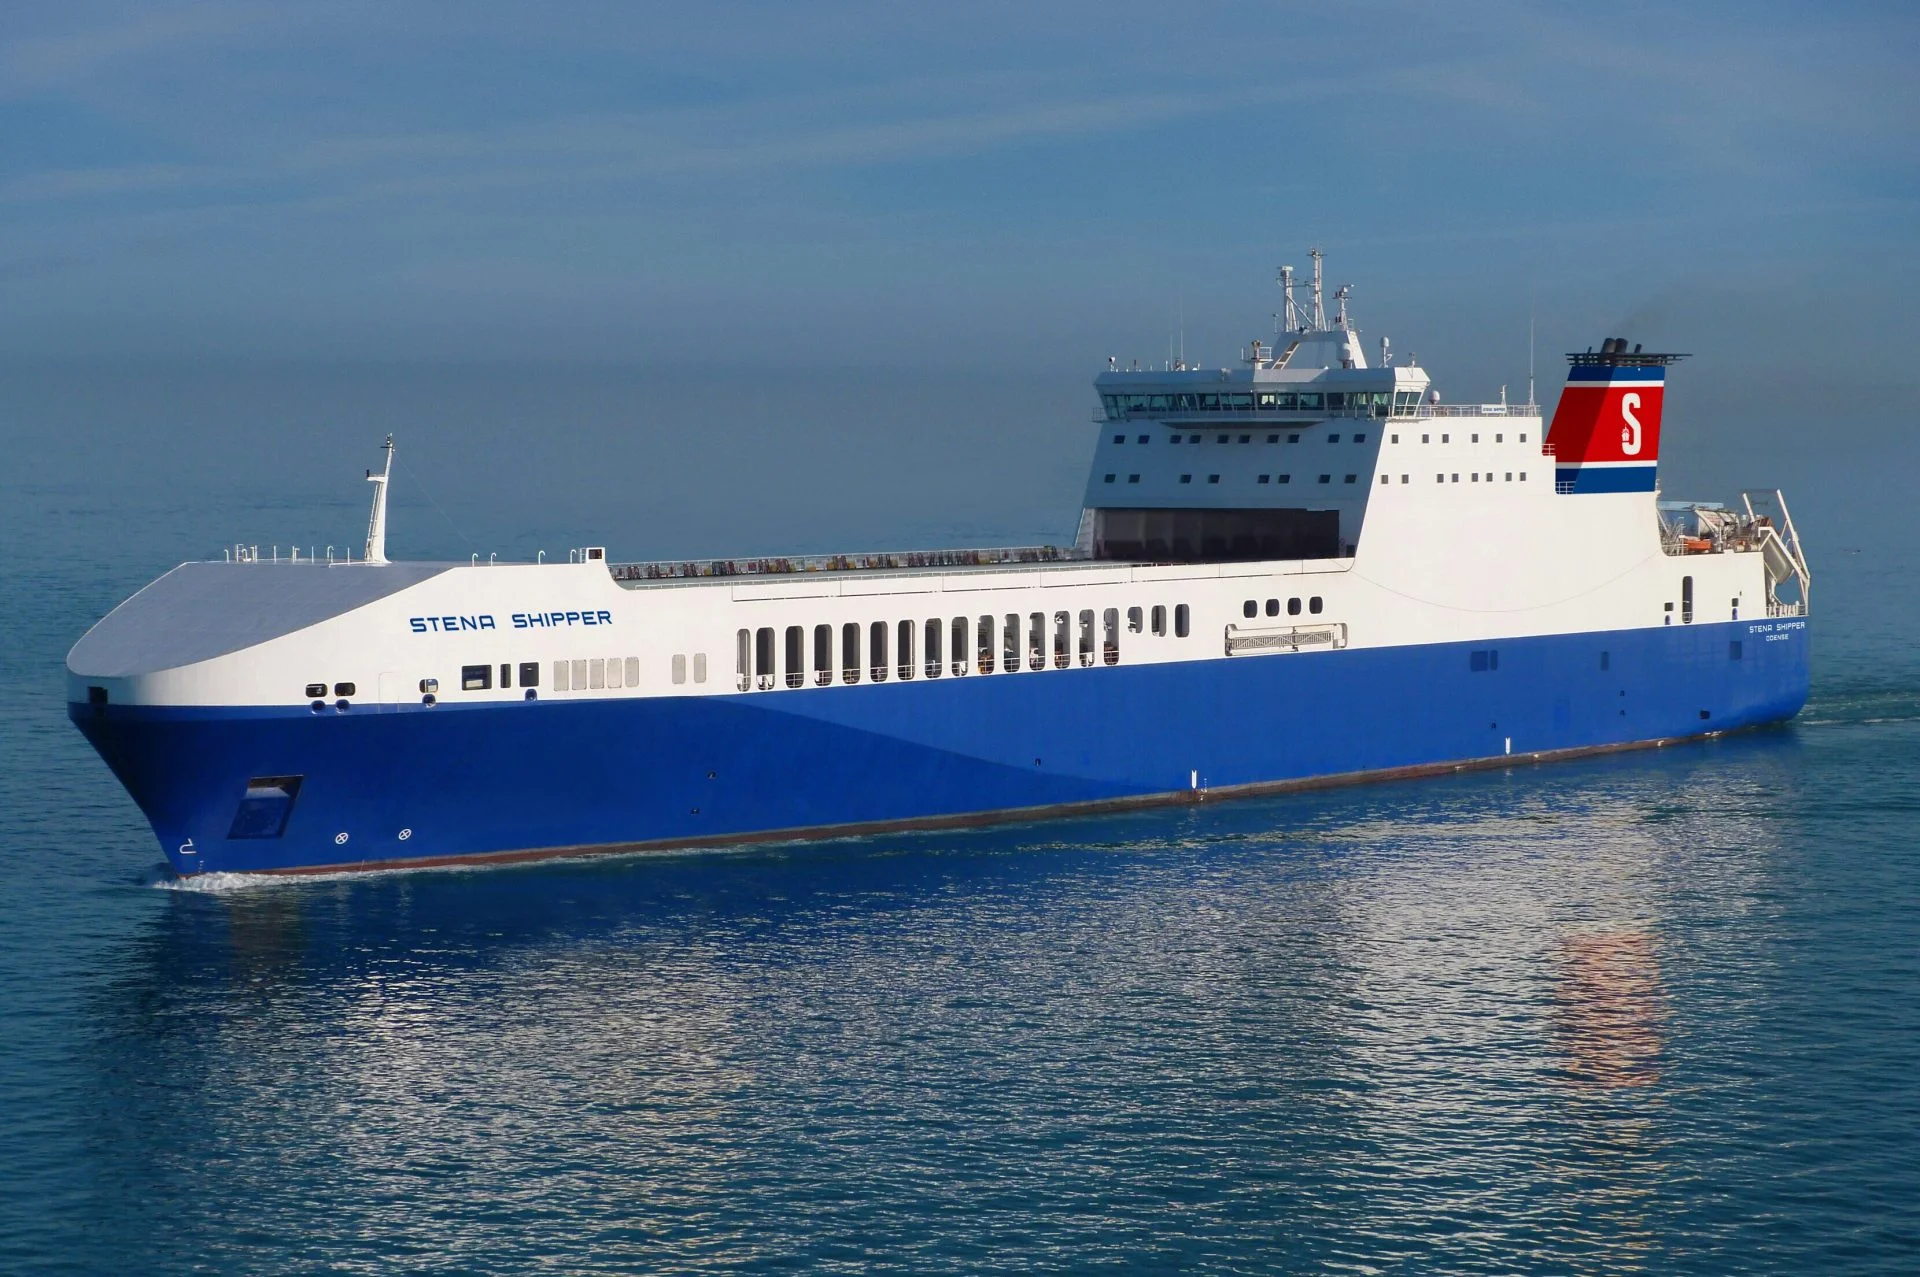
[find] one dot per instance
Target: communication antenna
(1530, 402)
(377, 521)
(1319, 304)
(1289, 309)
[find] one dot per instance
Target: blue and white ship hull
(1293, 574)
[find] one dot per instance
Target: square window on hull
(265, 807)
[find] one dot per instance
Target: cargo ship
(1304, 569)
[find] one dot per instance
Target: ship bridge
(1271, 459)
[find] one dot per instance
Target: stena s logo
(1630, 424)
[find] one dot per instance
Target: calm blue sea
(1652, 1013)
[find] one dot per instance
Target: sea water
(1652, 1012)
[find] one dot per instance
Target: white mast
(1319, 306)
(377, 521)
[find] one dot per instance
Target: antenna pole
(1319, 306)
(1530, 345)
(377, 521)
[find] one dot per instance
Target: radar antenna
(377, 521)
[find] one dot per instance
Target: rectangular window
(1326, 478)
(1285, 478)
(506, 677)
(904, 654)
(850, 652)
(742, 663)
(1010, 642)
(1686, 600)
(699, 668)
(1062, 640)
(265, 805)
(560, 680)
(596, 674)
(476, 678)
(983, 652)
(1314, 604)
(1086, 637)
(1160, 620)
(1263, 478)
(1110, 636)
(763, 657)
(1134, 620)
(933, 661)
(822, 655)
(615, 669)
(1037, 641)
(1181, 621)
(877, 664)
(530, 674)
(679, 668)
(796, 656)
(959, 645)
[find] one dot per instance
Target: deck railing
(891, 560)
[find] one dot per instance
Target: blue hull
(558, 775)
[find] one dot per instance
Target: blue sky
(971, 206)
(857, 182)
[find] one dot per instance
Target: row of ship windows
(1474, 477)
(1273, 438)
(1378, 401)
(1251, 608)
(969, 646)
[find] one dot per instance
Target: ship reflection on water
(1609, 1008)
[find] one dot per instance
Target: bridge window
(822, 654)
(877, 651)
(932, 653)
(1182, 620)
(905, 653)
(850, 652)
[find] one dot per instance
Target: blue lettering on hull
(497, 777)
